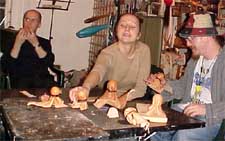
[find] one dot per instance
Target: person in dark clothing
(28, 58)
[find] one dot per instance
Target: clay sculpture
(133, 117)
(155, 82)
(111, 98)
(49, 101)
(80, 101)
(155, 112)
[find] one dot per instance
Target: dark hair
(139, 19)
(220, 40)
(33, 10)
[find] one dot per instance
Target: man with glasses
(201, 89)
(28, 58)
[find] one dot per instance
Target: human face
(197, 45)
(128, 29)
(31, 21)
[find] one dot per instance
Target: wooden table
(30, 122)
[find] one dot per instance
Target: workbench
(24, 122)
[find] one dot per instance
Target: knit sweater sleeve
(215, 111)
(181, 88)
(101, 65)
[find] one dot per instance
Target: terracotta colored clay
(155, 112)
(156, 83)
(80, 101)
(111, 98)
(133, 117)
(53, 100)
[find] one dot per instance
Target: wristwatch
(39, 45)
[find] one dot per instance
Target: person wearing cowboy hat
(201, 89)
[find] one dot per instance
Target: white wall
(70, 52)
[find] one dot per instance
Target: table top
(35, 123)
(30, 122)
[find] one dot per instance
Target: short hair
(33, 10)
(139, 19)
(116, 25)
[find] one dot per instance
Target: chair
(4, 81)
(60, 75)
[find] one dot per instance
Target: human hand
(21, 37)
(193, 110)
(156, 82)
(32, 37)
(78, 93)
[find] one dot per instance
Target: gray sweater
(215, 112)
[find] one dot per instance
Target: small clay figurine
(133, 117)
(80, 101)
(155, 82)
(155, 112)
(111, 98)
(49, 101)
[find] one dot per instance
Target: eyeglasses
(26, 19)
(188, 39)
